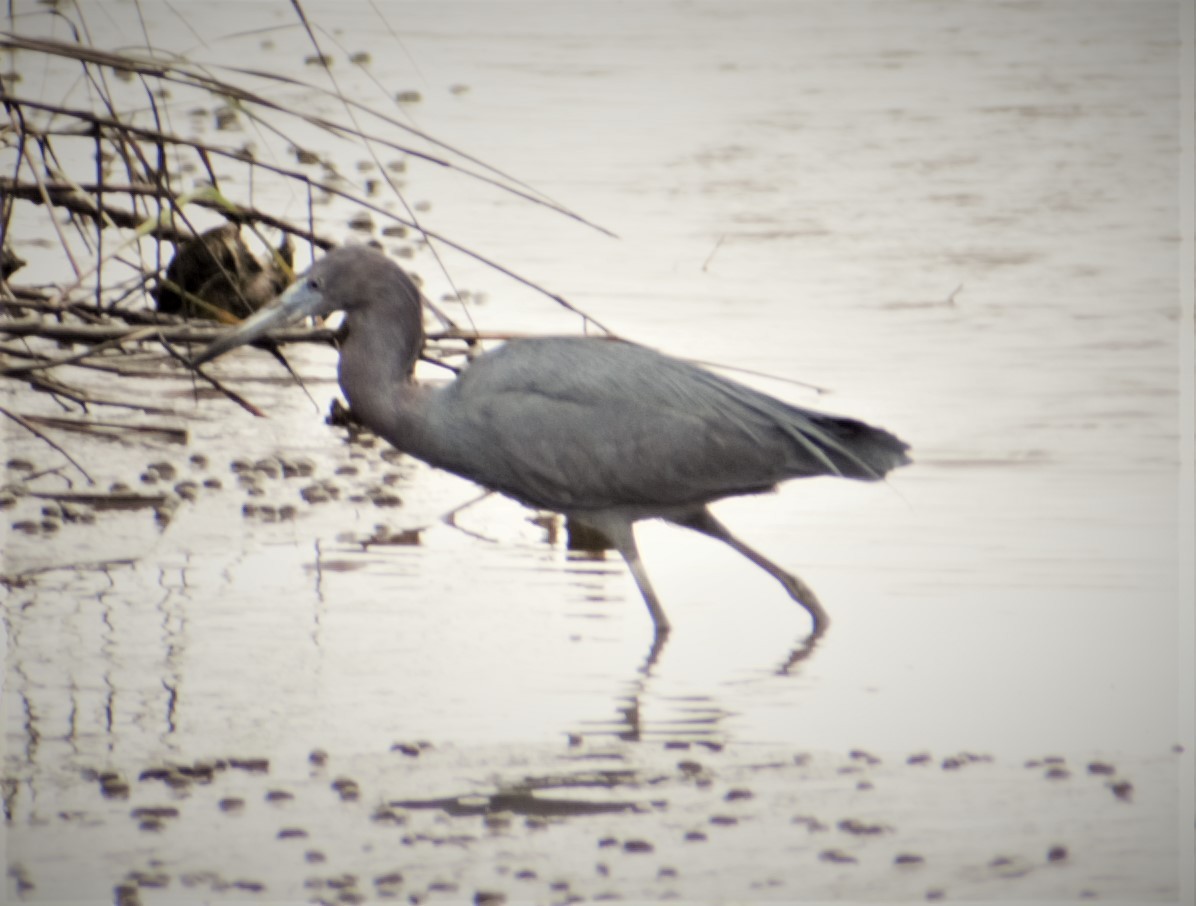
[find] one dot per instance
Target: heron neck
(377, 359)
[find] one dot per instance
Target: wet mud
(593, 821)
(272, 660)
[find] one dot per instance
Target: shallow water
(962, 219)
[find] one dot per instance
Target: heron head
(349, 279)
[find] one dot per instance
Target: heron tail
(853, 448)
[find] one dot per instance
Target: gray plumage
(605, 431)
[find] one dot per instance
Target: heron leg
(705, 522)
(621, 535)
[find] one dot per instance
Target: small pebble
(150, 879)
(908, 859)
(267, 467)
(252, 765)
(638, 846)
(155, 811)
(114, 789)
(856, 826)
(836, 855)
(1123, 790)
(498, 820)
(314, 494)
(226, 119)
(1057, 853)
(812, 824)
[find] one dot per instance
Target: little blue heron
(604, 431)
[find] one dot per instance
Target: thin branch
(176, 73)
(129, 337)
(25, 423)
(202, 148)
(67, 196)
(181, 333)
(231, 394)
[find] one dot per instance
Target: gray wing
(571, 424)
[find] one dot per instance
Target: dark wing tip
(860, 450)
